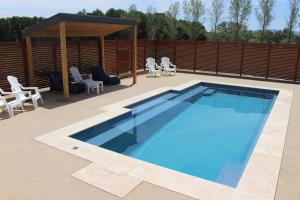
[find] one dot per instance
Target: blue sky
(47, 8)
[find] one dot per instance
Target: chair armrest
(3, 92)
(157, 66)
(171, 64)
(12, 93)
(86, 76)
(36, 89)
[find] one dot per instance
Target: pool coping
(119, 174)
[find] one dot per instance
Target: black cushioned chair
(56, 84)
(98, 74)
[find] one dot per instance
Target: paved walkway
(32, 170)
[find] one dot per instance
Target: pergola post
(64, 61)
(134, 53)
(29, 60)
(102, 51)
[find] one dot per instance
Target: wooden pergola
(63, 25)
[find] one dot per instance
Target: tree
(82, 12)
(293, 17)
(225, 30)
(133, 13)
(11, 28)
(193, 10)
(119, 13)
(172, 15)
(239, 12)
(264, 15)
(151, 26)
(96, 12)
(215, 14)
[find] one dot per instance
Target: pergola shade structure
(72, 25)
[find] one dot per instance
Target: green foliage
(11, 28)
(171, 22)
(293, 17)
(153, 25)
(193, 10)
(215, 15)
(239, 12)
(264, 15)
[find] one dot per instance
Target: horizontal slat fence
(11, 62)
(278, 62)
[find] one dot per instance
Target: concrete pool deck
(32, 170)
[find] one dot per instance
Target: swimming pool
(208, 130)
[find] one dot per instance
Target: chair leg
(98, 91)
(42, 100)
(35, 104)
(10, 111)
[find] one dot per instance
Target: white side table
(94, 85)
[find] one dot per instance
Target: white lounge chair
(167, 66)
(153, 68)
(86, 79)
(24, 93)
(9, 106)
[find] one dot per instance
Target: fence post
(218, 55)
(268, 61)
(297, 64)
(175, 45)
(54, 54)
(79, 52)
(195, 55)
(144, 61)
(117, 60)
(242, 58)
(99, 50)
(25, 62)
(155, 49)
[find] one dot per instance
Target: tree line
(169, 25)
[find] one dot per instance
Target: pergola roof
(78, 25)
(63, 25)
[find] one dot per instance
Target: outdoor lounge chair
(98, 74)
(24, 93)
(9, 106)
(152, 67)
(56, 84)
(88, 81)
(167, 66)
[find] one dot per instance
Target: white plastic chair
(152, 67)
(85, 79)
(24, 93)
(9, 106)
(167, 66)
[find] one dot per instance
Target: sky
(47, 8)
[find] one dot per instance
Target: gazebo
(63, 25)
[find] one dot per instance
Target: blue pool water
(208, 130)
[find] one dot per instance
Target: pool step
(152, 103)
(209, 92)
(127, 125)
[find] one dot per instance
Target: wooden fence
(277, 62)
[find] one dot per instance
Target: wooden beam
(64, 61)
(102, 52)
(134, 53)
(29, 61)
